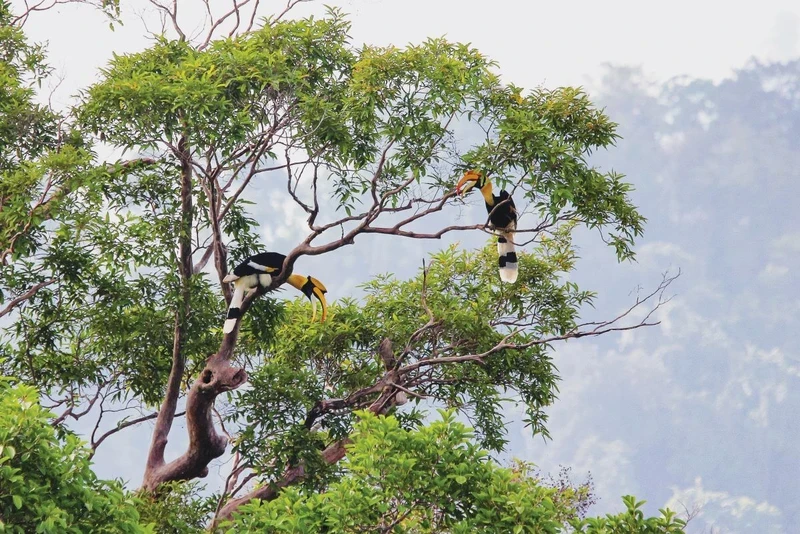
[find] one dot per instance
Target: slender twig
(122, 425)
(25, 296)
(216, 23)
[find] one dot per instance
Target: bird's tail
(234, 311)
(507, 258)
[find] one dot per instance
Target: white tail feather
(508, 273)
(508, 246)
(236, 303)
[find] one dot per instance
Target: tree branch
(334, 452)
(155, 459)
(45, 5)
(205, 444)
(25, 296)
(600, 328)
(122, 425)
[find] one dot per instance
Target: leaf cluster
(27, 129)
(469, 315)
(631, 521)
(46, 481)
(433, 479)
(176, 508)
(224, 96)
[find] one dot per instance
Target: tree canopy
(46, 482)
(122, 216)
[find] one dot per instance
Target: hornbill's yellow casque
(257, 271)
(503, 218)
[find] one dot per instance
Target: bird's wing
(262, 268)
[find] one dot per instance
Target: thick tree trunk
(166, 414)
(205, 444)
(218, 376)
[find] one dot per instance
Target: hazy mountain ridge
(701, 408)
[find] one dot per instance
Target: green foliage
(92, 242)
(103, 236)
(472, 314)
(273, 437)
(220, 96)
(46, 482)
(354, 107)
(631, 521)
(38, 163)
(89, 248)
(177, 508)
(311, 361)
(109, 316)
(555, 148)
(26, 128)
(433, 479)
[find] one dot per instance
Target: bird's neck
(486, 191)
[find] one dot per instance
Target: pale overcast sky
(535, 42)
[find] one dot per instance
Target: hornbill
(502, 217)
(257, 271)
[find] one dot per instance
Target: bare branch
(70, 412)
(203, 261)
(172, 14)
(236, 469)
(252, 17)
(293, 190)
(666, 280)
(216, 23)
(600, 328)
(46, 5)
(25, 296)
(122, 425)
(289, 5)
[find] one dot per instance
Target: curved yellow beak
(310, 286)
(467, 182)
(318, 290)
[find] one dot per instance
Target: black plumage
(502, 217)
(259, 270)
